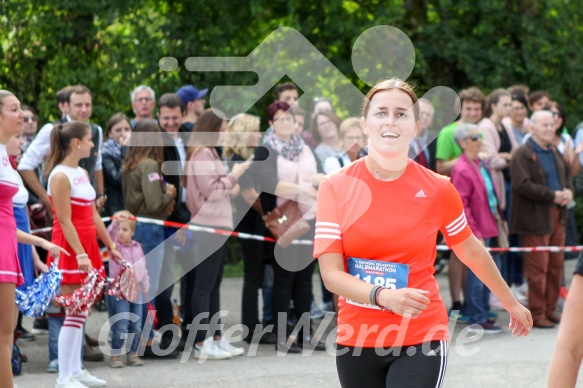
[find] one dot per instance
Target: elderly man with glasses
(143, 103)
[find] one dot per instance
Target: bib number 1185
(379, 281)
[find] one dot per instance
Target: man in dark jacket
(176, 138)
(541, 189)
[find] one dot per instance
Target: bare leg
(569, 350)
(7, 307)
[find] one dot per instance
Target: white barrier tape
(196, 228)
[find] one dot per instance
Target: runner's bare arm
(473, 254)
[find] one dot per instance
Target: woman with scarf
(285, 168)
(118, 133)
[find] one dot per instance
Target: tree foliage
(112, 46)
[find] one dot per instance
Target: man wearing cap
(193, 100)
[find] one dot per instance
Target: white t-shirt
(40, 147)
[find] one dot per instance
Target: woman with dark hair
(499, 144)
(512, 266)
(118, 133)
(565, 145)
(286, 169)
(562, 139)
(517, 120)
(76, 227)
(147, 195)
(209, 189)
(325, 133)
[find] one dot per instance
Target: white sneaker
(520, 297)
(223, 344)
(210, 350)
(495, 303)
(70, 382)
(88, 380)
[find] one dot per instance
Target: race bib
(380, 273)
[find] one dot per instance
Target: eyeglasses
(555, 114)
(30, 119)
(144, 99)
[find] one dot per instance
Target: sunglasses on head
(475, 137)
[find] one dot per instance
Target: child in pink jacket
(126, 317)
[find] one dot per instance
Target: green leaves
(113, 46)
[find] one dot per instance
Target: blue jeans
(476, 298)
(125, 327)
(55, 324)
(152, 238)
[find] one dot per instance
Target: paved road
(492, 361)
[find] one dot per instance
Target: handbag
(285, 223)
(502, 231)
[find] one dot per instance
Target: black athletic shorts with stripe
(418, 366)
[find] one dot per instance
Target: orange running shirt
(398, 221)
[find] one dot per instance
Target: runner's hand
(520, 319)
(410, 301)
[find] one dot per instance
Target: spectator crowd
(510, 155)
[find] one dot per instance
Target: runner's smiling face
(390, 123)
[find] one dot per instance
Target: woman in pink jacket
(499, 143)
(121, 231)
(209, 188)
(474, 184)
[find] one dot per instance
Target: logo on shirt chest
(80, 180)
(420, 194)
(5, 161)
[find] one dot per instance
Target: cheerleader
(76, 227)
(11, 122)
